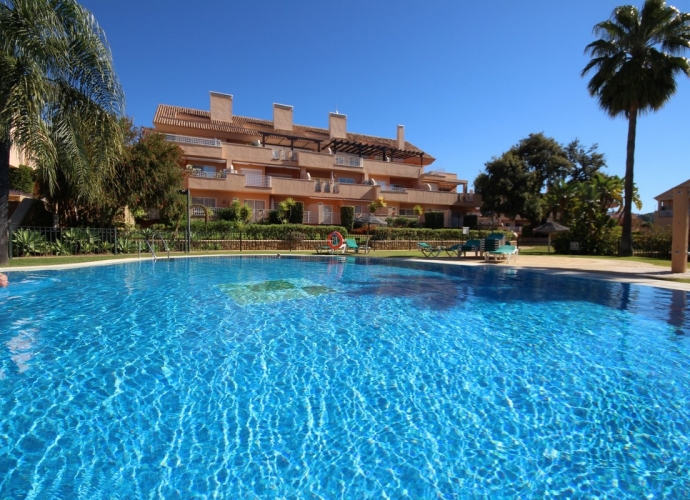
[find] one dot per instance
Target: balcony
(258, 181)
(392, 169)
(197, 146)
(665, 213)
(196, 141)
(208, 175)
(348, 161)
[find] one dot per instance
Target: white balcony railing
(306, 218)
(198, 141)
(209, 175)
(326, 186)
(259, 214)
(348, 161)
(393, 188)
(666, 213)
(281, 154)
(263, 181)
(200, 212)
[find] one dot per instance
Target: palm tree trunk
(626, 248)
(4, 200)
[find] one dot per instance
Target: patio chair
(350, 244)
(453, 250)
(428, 250)
(471, 246)
(502, 252)
(323, 249)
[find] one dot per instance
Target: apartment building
(663, 216)
(263, 162)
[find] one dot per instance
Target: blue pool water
(335, 378)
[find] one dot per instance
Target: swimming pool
(258, 377)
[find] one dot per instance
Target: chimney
(282, 117)
(221, 107)
(337, 126)
(401, 137)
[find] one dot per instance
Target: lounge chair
(323, 249)
(350, 244)
(428, 250)
(453, 250)
(502, 252)
(471, 246)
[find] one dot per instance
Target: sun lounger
(428, 250)
(502, 252)
(323, 249)
(453, 250)
(350, 244)
(471, 246)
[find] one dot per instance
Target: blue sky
(467, 79)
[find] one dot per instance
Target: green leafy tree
(286, 208)
(148, 175)
(57, 87)
(634, 64)
(377, 205)
(513, 183)
(22, 179)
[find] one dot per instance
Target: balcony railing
(200, 212)
(666, 213)
(263, 181)
(281, 154)
(393, 189)
(198, 141)
(348, 161)
(209, 175)
(326, 186)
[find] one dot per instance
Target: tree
(57, 87)
(285, 209)
(634, 64)
(377, 204)
(148, 175)
(513, 183)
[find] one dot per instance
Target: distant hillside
(646, 217)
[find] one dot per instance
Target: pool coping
(637, 278)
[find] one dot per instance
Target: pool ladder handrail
(165, 245)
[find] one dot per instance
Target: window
(346, 180)
(207, 202)
(407, 211)
(358, 209)
(256, 204)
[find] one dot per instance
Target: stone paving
(608, 269)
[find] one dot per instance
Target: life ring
(335, 236)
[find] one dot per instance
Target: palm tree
(635, 63)
(59, 97)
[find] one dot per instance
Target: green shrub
(28, 242)
(22, 179)
(347, 217)
(297, 214)
(433, 220)
(274, 217)
(527, 231)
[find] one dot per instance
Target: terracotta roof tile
(201, 120)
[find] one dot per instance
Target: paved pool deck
(625, 271)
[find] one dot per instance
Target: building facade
(262, 162)
(674, 211)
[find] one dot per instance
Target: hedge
(433, 220)
(347, 217)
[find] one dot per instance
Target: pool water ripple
(336, 378)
